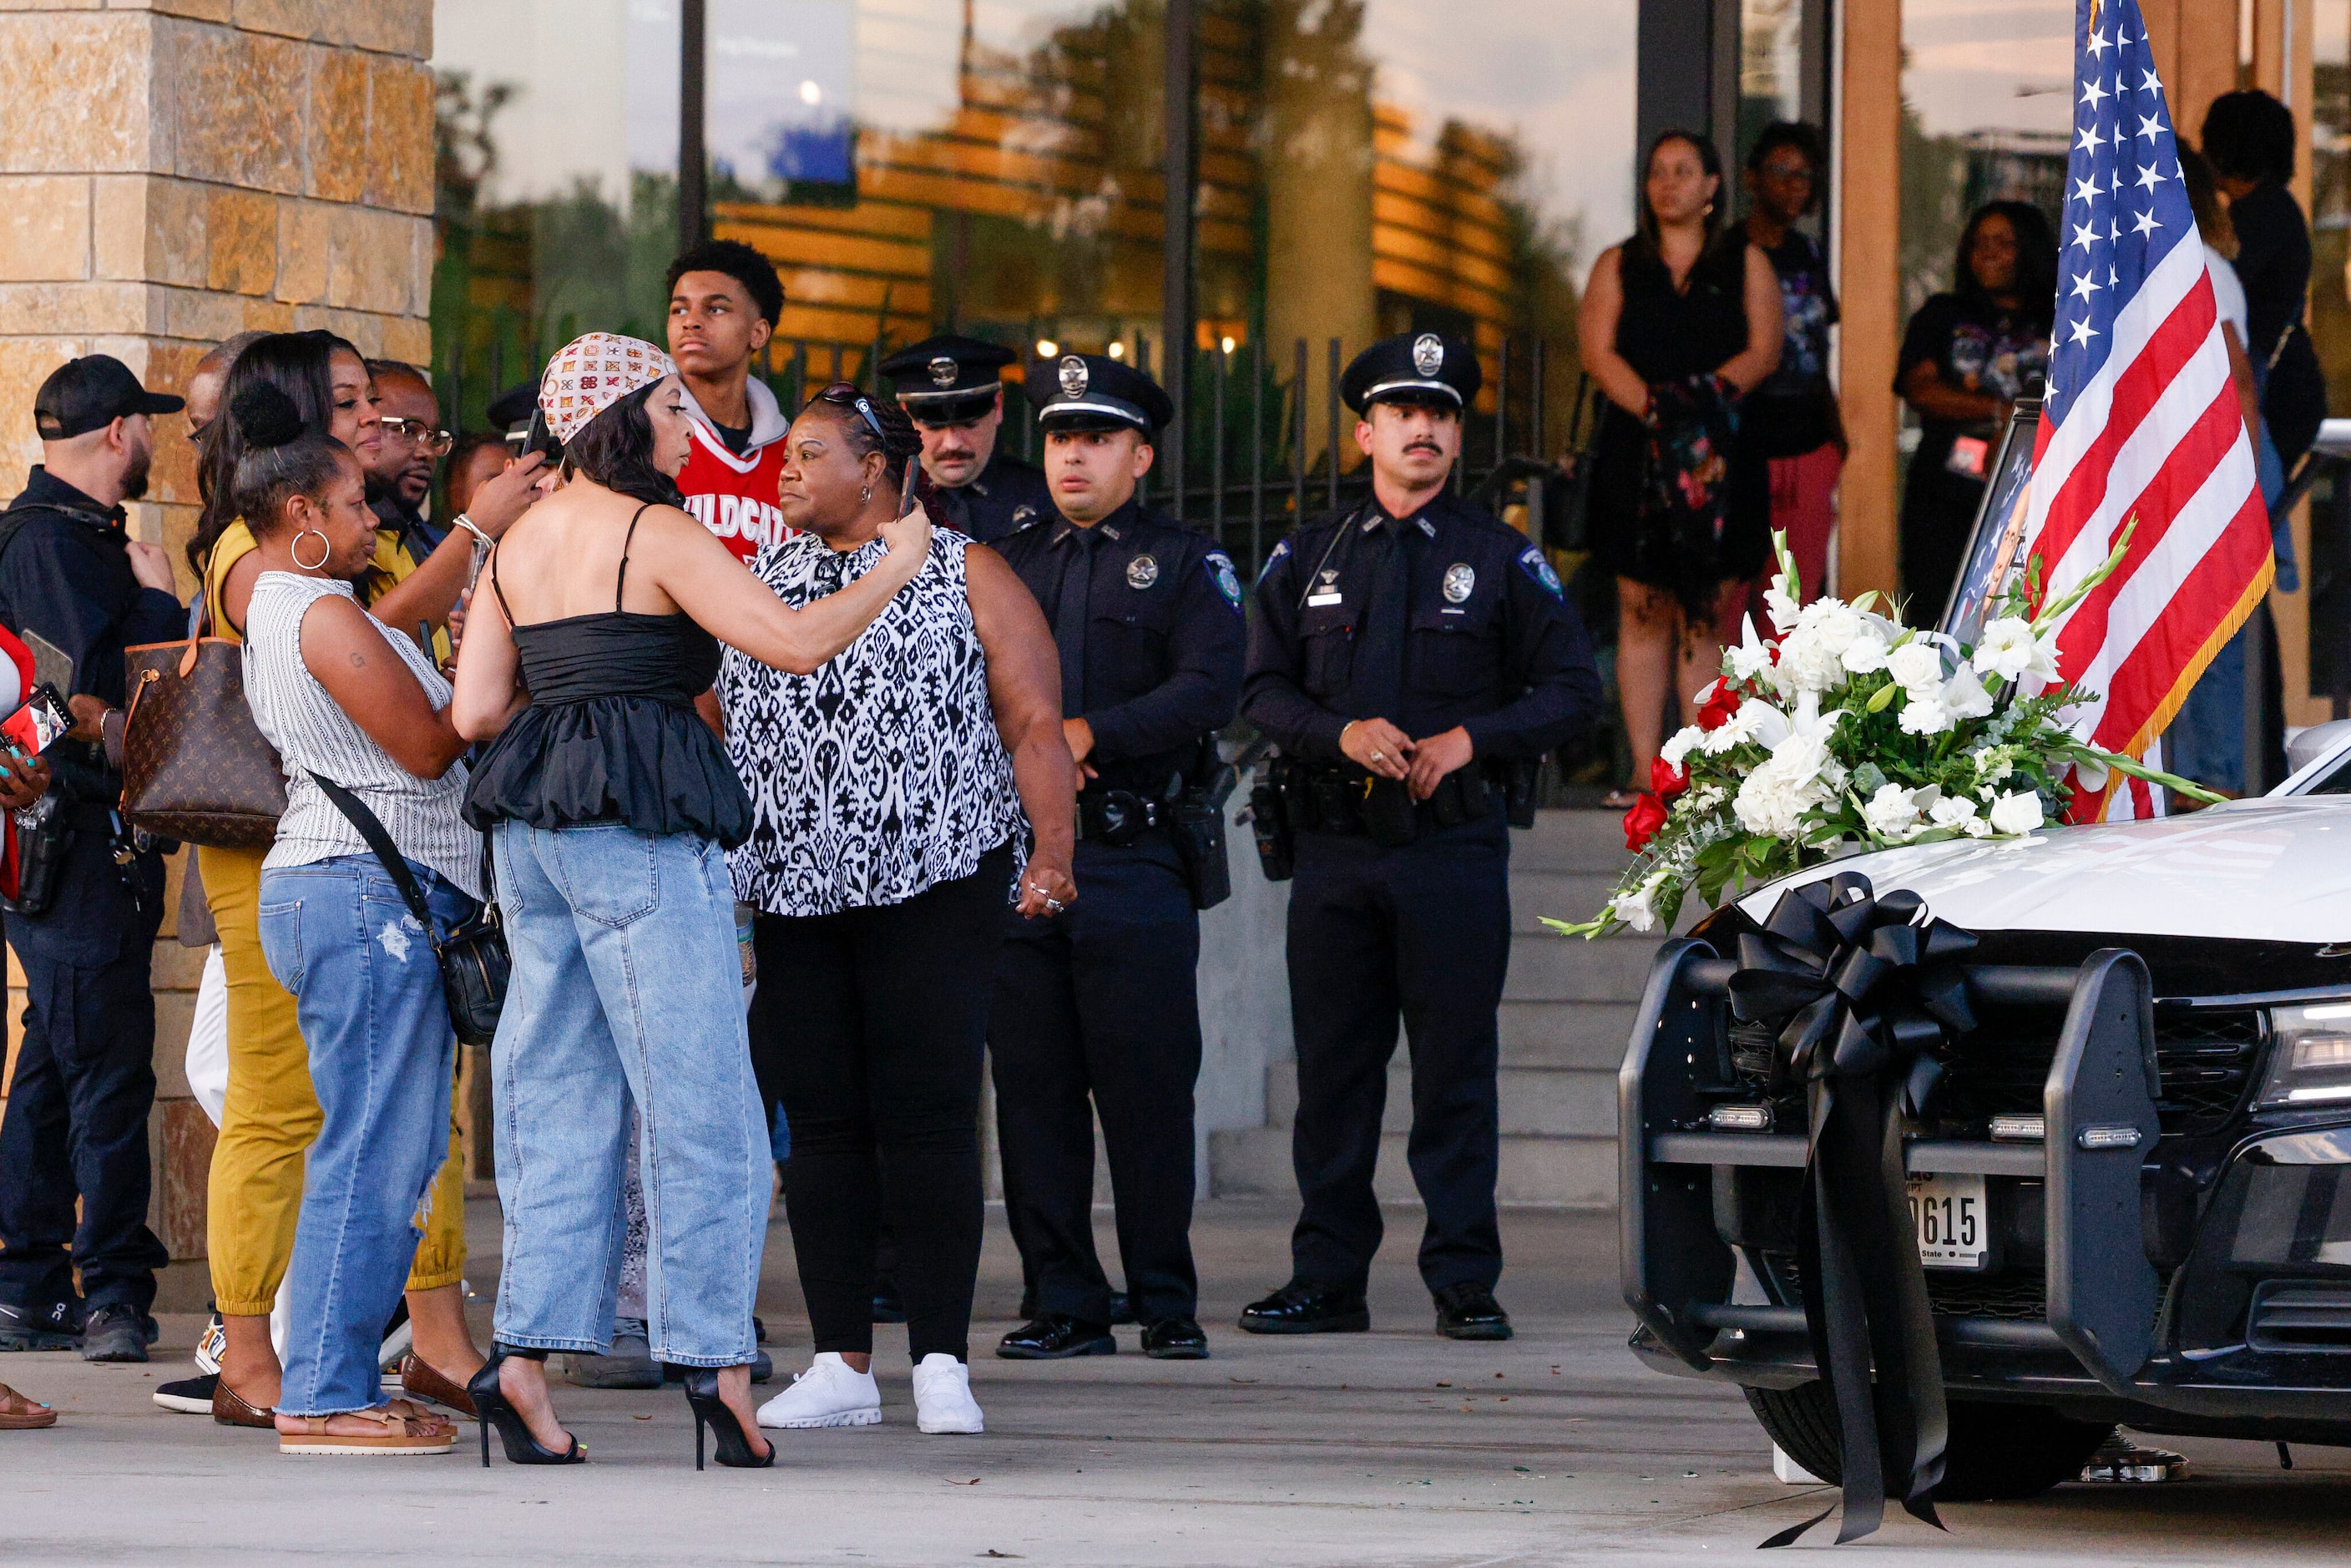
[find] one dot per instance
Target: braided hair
(899, 443)
(280, 456)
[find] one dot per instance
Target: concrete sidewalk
(1393, 1446)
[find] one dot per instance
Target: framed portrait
(1995, 552)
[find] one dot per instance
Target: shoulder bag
(474, 960)
(194, 765)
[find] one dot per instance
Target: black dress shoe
(1176, 1338)
(1470, 1311)
(1122, 1309)
(1300, 1308)
(1053, 1337)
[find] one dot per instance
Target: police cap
(946, 379)
(1413, 367)
(1092, 392)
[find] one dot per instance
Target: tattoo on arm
(358, 660)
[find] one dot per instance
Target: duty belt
(1119, 817)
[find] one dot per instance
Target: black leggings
(879, 1072)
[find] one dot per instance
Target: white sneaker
(827, 1395)
(943, 1401)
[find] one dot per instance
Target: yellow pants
(271, 1117)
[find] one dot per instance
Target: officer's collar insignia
(1110, 532)
(1428, 353)
(1074, 376)
(1531, 560)
(1329, 574)
(943, 371)
(1460, 582)
(1142, 572)
(1227, 581)
(1425, 526)
(1023, 516)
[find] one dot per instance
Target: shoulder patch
(1227, 581)
(1534, 563)
(1273, 558)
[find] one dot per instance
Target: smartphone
(539, 438)
(906, 486)
(39, 723)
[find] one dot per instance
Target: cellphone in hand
(39, 723)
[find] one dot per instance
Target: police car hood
(2276, 869)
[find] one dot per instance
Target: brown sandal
(19, 1414)
(396, 1436)
(420, 1377)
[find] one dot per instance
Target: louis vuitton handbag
(196, 767)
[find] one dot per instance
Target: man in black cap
(949, 387)
(1100, 1002)
(1411, 657)
(75, 1125)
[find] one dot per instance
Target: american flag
(2141, 426)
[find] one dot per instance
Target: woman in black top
(1966, 357)
(2248, 138)
(1678, 324)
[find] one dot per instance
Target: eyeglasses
(433, 440)
(846, 395)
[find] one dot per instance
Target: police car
(2131, 1188)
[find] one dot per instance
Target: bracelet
(466, 523)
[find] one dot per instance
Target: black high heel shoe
(735, 1450)
(491, 1405)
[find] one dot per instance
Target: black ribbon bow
(1862, 989)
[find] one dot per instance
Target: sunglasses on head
(846, 395)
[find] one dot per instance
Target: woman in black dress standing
(1679, 323)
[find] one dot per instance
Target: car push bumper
(2108, 1339)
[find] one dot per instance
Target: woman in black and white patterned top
(888, 790)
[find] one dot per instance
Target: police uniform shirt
(1147, 617)
(1447, 618)
(1002, 498)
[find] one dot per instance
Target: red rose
(1642, 822)
(1720, 706)
(1665, 781)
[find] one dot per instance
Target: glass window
(995, 167)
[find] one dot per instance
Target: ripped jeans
(367, 990)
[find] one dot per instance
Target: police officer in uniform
(949, 388)
(1100, 1002)
(1413, 658)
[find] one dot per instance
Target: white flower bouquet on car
(1847, 730)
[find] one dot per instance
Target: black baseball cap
(90, 393)
(1094, 392)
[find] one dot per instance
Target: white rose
(1923, 712)
(1915, 665)
(1965, 697)
(2011, 651)
(1807, 662)
(1959, 811)
(2019, 811)
(1891, 813)
(1832, 621)
(1864, 653)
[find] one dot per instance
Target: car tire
(1997, 1453)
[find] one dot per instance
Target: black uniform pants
(881, 1088)
(1097, 1011)
(1423, 933)
(75, 1126)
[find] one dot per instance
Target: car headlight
(2310, 1059)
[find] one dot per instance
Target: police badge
(1460, 582)
(1142, 572)
(943, 372)
(1074, 376)
(1428, 353)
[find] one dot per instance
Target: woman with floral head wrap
(611, 808)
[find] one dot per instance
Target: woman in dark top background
(2248, 138)
(1679, 323)
(611, 806)
(1966, 357)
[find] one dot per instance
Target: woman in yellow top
(272, 1115)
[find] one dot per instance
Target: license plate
(1952, 1219)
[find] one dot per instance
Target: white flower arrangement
(1846, 729)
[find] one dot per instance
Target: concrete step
(1549, 1172)
(1566, 1034)
(1571, 970)
(1572, 841)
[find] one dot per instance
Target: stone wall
(174, 172)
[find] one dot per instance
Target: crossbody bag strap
(395, 864)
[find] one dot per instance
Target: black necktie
(1072, 611)
(1379, 637)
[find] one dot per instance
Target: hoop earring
(295, 549)
(865, 495)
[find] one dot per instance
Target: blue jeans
(367, 989)
(627, 985)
